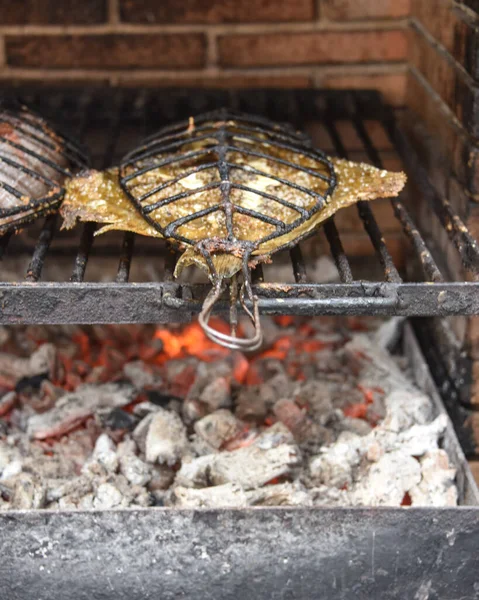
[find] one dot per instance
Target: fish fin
(97, 196)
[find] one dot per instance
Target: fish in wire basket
(35, 162)
(230, 190)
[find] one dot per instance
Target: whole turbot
(229, 190)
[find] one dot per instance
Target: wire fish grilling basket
(229, 190)
(35, 161)
(224, 186)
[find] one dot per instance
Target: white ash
(41, 361)
(388, 480)
(234, 495)
(139, 375)
(166, 441)
(250, 467)
(217, 428)
(436, 487)
(353, 430)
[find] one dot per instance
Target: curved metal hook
(230, 341)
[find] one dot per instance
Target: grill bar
(430, 268)
(337, 250)
(81, 259)
(123, 273)
(99, 115)
(465, 244)
(299, 268)
(366, 214)
(35, 267)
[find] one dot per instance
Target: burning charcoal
(218, 427)
(161, 399)
(139, 375)
(104, 455)
(274, 436)
(42, 361)
(51, 391)
(96, 375)
(420, 439)
(229, 495)
(28, 491)
(254, 402)
(7, 402)
(13, 468)
(250, 467)
(143, 409)
(271, 331)
(75, 407)
(330, 496)
(357, 426)
(107, 496)
(405, 408)
(73, 488)
(135, 470)
(166, 440)
(192, 410)
(317, 396)
(375, 367)
(119, 419)
(289, 413)
(200, 447)
(141, 430)
(436, 487)
(388, 480)
(335, 466)
(28, 385)
(283, 494)
(161, 479)
(216, 394)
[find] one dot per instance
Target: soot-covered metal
(120, 118)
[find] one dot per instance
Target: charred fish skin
(35, 162)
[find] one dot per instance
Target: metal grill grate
(112, 122)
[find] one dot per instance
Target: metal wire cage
(35, 160)
(224, 148)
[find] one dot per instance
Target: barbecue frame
(282, 553)
(78, 301)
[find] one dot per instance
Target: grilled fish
(230, 190)
(35, 161)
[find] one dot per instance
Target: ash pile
(123, 416)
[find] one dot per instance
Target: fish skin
(97, 196)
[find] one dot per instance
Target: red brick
(174, 51)
(343, 10)
(452, 85)
(360, 246)
(52, 12)
(449, 138)
(452, 28)
(393, 87)
(312, 48)
(239, 81)
(215, 11)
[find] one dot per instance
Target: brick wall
(302, 43)
(443, 91)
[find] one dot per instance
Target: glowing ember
(156, 414)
